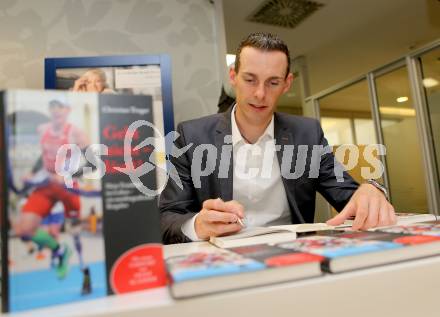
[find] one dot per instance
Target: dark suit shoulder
(201, 130)
(304, 129)
(290, 120)
(203, 122)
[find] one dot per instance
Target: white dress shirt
(257, 182)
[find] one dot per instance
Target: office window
(404, 157)
(346, 119)
(431, 82)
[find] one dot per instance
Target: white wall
(185, 29)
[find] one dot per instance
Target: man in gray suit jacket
(255, 164)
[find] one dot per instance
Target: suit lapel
(223, 129)
(284, 137)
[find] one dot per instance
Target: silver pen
(240, 222)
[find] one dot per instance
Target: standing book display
(77, 220)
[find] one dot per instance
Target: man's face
(260, 81)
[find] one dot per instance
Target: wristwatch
(379, 186)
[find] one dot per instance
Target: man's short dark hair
(265, 42)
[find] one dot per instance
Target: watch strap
(380, 187)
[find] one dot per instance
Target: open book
(272, 234)
(404, 218)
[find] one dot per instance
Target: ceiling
(344, 38)
(331, 22)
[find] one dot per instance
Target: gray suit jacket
(178, 205)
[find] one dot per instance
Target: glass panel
(404, 157)
(431, 82)
(337, 130)
(291, 101)
(363, 129)
(346, 119)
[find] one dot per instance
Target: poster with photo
(126, 75)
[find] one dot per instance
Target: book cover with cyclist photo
(78, 218)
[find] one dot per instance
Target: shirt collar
(236, 134)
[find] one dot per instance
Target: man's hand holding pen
(218, 218)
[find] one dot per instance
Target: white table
(403, 289)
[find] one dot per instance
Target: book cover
(335, 246)
(209, 264)
(74, 224)
(236, 268)
(204, 273)
(273, 256)
(350, 250)
(404, 218)
(427, 228)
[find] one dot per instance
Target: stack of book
(309, 255)
(346, 251)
